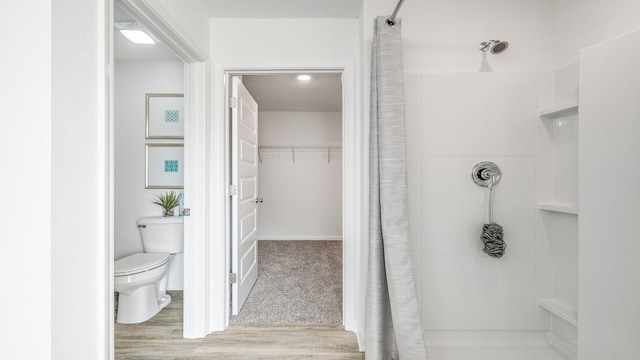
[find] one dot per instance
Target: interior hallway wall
(282, 42)
(302, 199)
(80, 191)
(26, 142)
(134, 79)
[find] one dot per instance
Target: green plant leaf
(167, 201)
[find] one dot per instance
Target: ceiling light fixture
(304, 77)
(134, 32)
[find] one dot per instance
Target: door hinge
(233, 102)
(233, 278)
(233, 190)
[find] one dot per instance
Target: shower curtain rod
(392, 20)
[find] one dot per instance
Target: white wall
(26, 142)
(302, 199)
(578, 24)
(295, 43)
(313, 128)
(283, 41)
(134, 79)
(610, 205)
(80, 133)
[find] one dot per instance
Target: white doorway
(206, 137)
(350, 142)
(296, 205)
(196, 95)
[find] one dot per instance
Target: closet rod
(301, 151)
(301, 147)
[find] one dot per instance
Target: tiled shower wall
(455, 120)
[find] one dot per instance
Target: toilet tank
(162, 234)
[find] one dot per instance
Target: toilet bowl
(141, 279)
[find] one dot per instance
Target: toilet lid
(139, 262)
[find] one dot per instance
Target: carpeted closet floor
(299, 282)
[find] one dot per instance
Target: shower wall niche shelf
(560, 310)
(558, 110)
(557, 202)
(558, 207)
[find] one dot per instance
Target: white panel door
(244, 153)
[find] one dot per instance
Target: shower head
(495, 46)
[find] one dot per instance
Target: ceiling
(282, 8)
(284, 92)
(273, 92)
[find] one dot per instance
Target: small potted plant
(167, 201)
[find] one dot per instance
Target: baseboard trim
(305, 237)
(360, 341)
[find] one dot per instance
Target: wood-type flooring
(161, 338)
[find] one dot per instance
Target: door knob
(259, 200)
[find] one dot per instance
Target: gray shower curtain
(393, 327)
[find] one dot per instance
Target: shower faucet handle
(486, 173)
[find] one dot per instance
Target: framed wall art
(164, 166)
(164, 116)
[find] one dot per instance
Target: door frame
(196, 95)
(353, 213)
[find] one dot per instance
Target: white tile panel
(609, 169)
(479, 114)
(478, 293)
(454, 208)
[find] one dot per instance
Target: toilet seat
(139, 262)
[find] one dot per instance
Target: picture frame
(164, 166)
(164, 116)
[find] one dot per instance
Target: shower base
(489, 345)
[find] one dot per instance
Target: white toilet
(141, 279)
